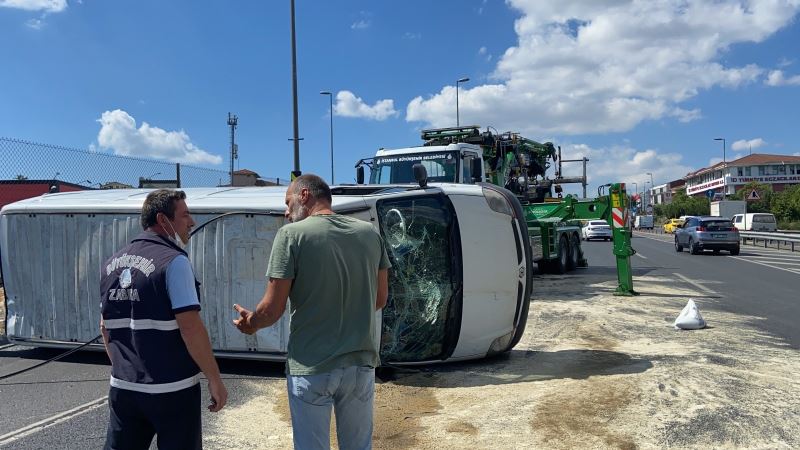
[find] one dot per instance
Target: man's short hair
(316, 186)
(160, 201)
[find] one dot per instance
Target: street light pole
(724, 169)
(330, 96)
(297, 138)
(652, 188)
(460, 80)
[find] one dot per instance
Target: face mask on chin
(175, 238)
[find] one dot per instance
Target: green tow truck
(469, 155)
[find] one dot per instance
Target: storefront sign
(691, 190)
(767, 179)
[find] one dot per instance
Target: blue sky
(635, 86)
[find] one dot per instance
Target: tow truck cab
(454, 163)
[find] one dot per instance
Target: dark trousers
(136, 417)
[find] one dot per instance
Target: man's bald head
(316, 186)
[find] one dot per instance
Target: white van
(643, 222)
(446, 303)
(755, 222)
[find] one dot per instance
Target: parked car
(596, 229)
(672, 224)
(755, 222)
(707, 233)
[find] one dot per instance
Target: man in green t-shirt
(335, 269)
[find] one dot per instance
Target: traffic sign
(710, 193)
(753, 195)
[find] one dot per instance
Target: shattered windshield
(441, 167)
(423, 308)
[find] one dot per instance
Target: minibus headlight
(497, 202)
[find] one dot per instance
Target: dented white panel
(53, 263)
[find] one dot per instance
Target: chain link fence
(23, 161)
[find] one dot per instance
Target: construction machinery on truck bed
(467, 155)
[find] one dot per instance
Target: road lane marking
(641, 255)
(782, 257)
(53, 420)
(3, 347)
(765, 265)
(776, 261)
(695, 284)
(654, 239)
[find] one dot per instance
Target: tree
(21, 177)
(786, 205)
(763, 205)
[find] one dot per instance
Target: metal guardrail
(791, 240)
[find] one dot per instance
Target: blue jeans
(351, 393)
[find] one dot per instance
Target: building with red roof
(779, 171)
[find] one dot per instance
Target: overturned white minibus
(459, 287)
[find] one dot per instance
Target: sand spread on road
(592, 371)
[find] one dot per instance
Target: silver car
(707, 233)
(596, 229)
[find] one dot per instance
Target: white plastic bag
(690, 318)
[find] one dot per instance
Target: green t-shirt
(334, 261)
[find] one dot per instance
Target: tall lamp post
(460, 80)
(652, 188)
(296, 172)
(724, 169)
(330, 97)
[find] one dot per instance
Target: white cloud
(748, 145)
(363, 22)
(776, 78)
(36, 24)
(480, 9)
(608, 65)
(796, 154)
(412, 36)
(686, 116)
(118, 132)
(50, 6)
(348, 105)
(485, 53)
(622, 164)
(360, 24)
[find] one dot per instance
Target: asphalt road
(760, 283)
(67, 398)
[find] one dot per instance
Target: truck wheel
(735, 251)
(560, 264)
(542, 266)
(678, 247)
(574, 250)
